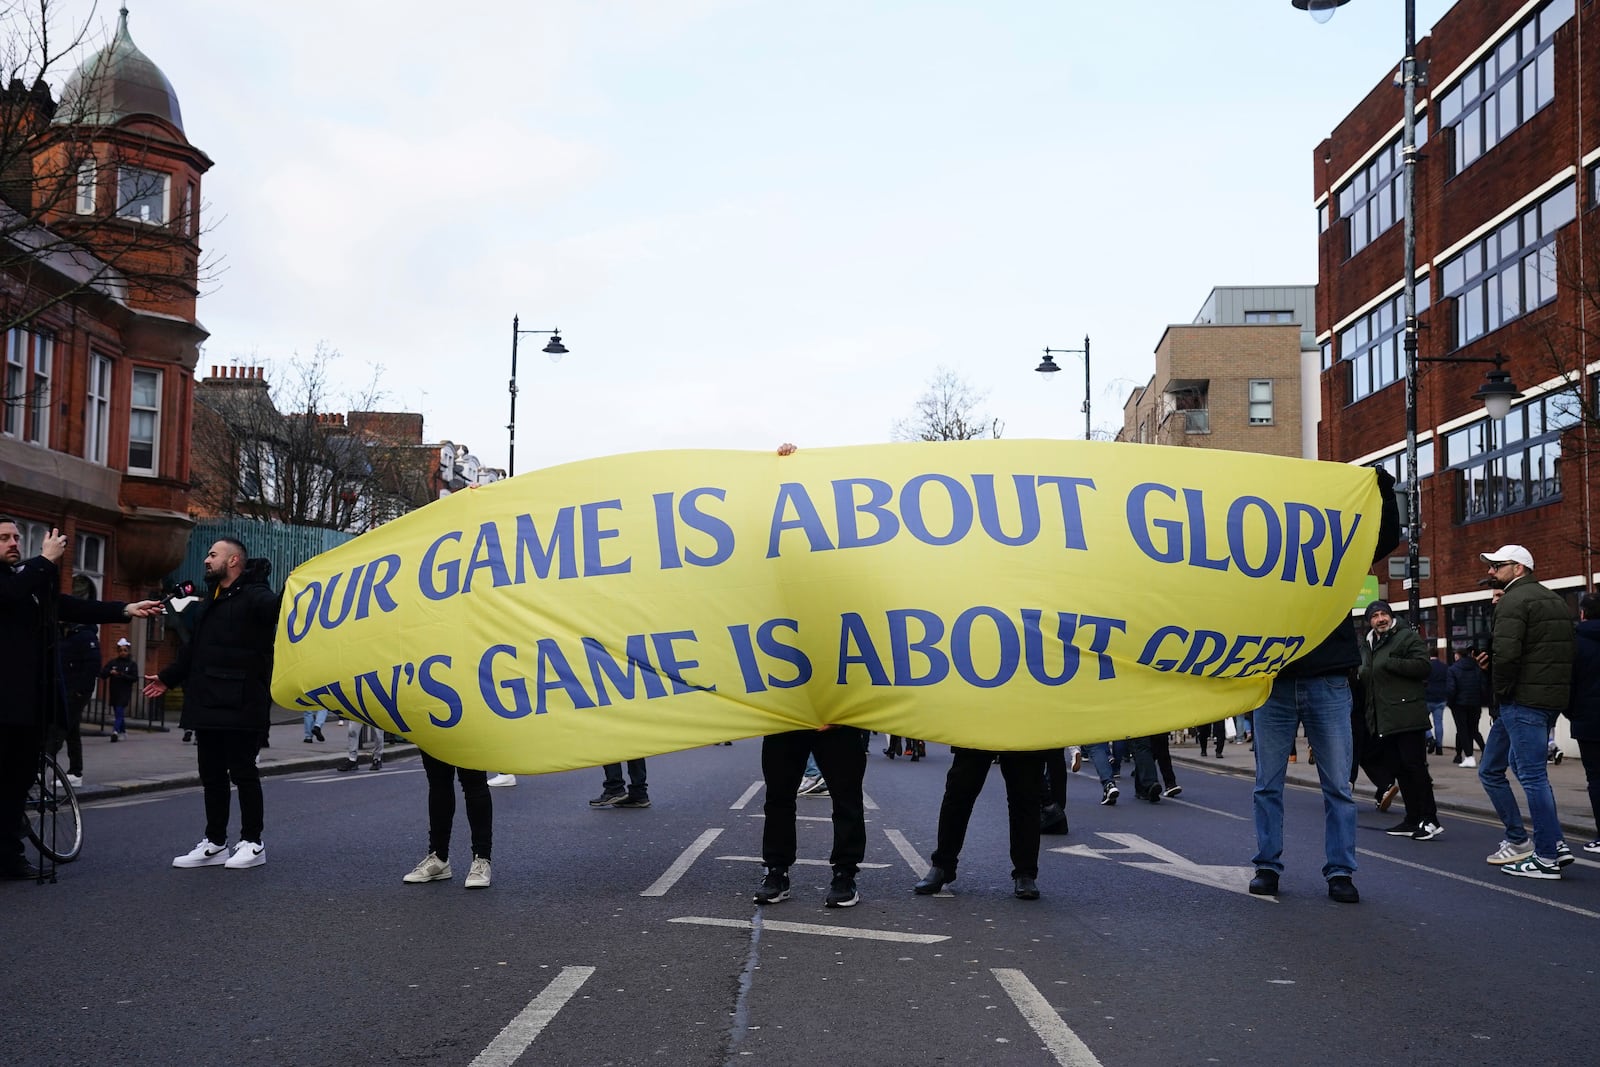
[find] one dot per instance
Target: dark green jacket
(1533, 635)
(1394, 673)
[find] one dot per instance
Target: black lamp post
(555, 350)
(1047, 367)
(1497, 391)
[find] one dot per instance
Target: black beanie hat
(1379, 605)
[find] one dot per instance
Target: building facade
(99, 274)
(1235, 378)
(1508, 131)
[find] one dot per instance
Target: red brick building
(97, 372)
(1507, 237)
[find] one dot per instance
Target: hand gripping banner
(993, 594)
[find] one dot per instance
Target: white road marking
(660, 886)
(817, 929)
(1231, 878)
(1209, 811)
(1496, 886)
(143, 798)
(918, 865)
(867, 802)
(519, 1033)
(1057, 1036)
(749, 795)
(800, 863)
(357, 776)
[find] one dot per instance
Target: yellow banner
(995, 594)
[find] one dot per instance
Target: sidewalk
(1454, 789)
(147, 760)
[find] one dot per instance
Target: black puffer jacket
(1465, 689)
(226, 668)
(30, 605)
(1584, 709)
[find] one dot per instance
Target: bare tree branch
(947, 411)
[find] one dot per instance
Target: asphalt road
(629, 936)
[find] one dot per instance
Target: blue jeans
(316, 718)
(1322, 703)
(1518, 739)
(1436, 708)
(1100, 756)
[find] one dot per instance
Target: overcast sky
(752, 220)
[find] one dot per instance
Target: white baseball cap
(1509, 554)
(122, 642)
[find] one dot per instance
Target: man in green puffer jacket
(1394, 673)
(1531, 672)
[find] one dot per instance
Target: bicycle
(52, 819)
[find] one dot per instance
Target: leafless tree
(286, 452)
(947, 411)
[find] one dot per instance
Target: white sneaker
(75, 780)
(1509, 853)
(1468, 761)
(478, 874)
(501, 781)
(205, 854)
(431, 869)
(807, 784)
(246, 854)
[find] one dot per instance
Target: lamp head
(1047, 367)
(555, 349)
(1497, 391)
(1320, 10)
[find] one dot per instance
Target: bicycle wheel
(52, 818)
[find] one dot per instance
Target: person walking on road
(615, 794)
(226, 674)
(1394, 674)
(353, 728)
(1530, 674)
(1315, 690)
(31, 604)
(1583, 707)
(1024, 775)
(1464, 694)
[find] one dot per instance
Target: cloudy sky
(752, 220)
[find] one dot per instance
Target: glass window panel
(1424, 459)
(1510, 294)
(1450, 106)
(144, 388)
(1454, 275)
(1508, 242)
(1547, 273)
(1473, 259)
(1557, 210)
(1505, 57)
(1423, 294)
(1554, 15)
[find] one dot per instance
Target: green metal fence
(285, 546)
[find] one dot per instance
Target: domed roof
(115, 83)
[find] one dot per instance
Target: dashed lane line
(749, 795)
(913, 860)
(816, 929)
(1480, 883)
(1068, 1049)
(684, 861)
(520, 1032)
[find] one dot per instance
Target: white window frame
(155, 433)
(1255, 401)
(88, 175)
(14, 389)
(37, 424)
(89, 563)
(97, 409)
(129, 207)
(189, 222)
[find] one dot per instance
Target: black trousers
(1055, 777)
(1207, 731)
(1367, 752)
(1466, 720)
(1161, 749)
(19, 762)
(842, 759)
(638, 790)
(1024, 776)
(1589, 753)
(228, 756)
(1406, 756)
(72, 732)
(442, 806)
(1144, 766)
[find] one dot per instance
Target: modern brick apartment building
(1507, 235)
(1235, 378)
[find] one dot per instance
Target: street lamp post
(555, 350)
(1048, 366)
(1497, 391)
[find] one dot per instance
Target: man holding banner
(1315, 690)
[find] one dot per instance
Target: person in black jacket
(1315, 690)
(1583, 707)
(79, 650)
(226, 674)
(1464, 693)
(30, 604)
(122, 672)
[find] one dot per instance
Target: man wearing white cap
(1531, 671)
(122, 672)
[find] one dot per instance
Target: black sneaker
(1343, 890)
(606, 800)
(632, 802)
(1111, 794)
(377, 764)
(316, 731)
(842, 893)
(1402, 829)
(774, 887)
(348, 765)
(1265, 883)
